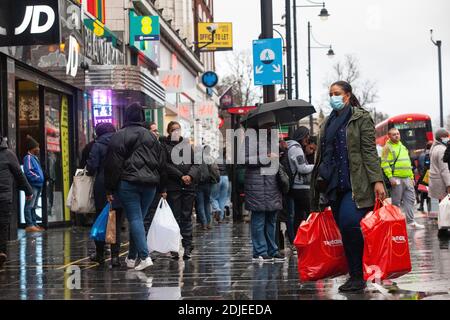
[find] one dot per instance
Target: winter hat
(134, 113)
(441, 132)
(31, 143)
(103, 128)
(300, 133)
(266, 118)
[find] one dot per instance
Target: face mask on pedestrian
(175, 135)
(337, 102)
(445, 140)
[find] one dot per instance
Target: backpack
(284, 161)
(209, 173)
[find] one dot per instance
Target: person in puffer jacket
(35, 176)
(133, 169)
(263, 198)
(182, 181)
(10, 172)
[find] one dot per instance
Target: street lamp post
(284, 66)
(330, 53)
(267, 32)
(438, 43)
(323, 15)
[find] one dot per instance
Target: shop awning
(125, 78)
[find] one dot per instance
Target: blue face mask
(337, 103)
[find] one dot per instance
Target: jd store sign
(29, 22)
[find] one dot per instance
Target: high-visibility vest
(402, 168)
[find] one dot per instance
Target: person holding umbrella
(263, 198)
(347, 174)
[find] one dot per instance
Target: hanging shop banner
(65, 151)
(215, 36)
(172, 80)
(205, 109)
(101, 45)
(29, 22)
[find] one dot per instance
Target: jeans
(348, 217)
(30, 207)
(263, 227)
(298, 209)
(219, 196)
(404, 197)
(136, 199)
(203, 203)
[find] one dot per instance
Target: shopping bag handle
(378, 204)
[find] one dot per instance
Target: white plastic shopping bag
(164, 233)
(444, 213)
(82, 193)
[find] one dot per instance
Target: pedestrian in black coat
(95, 166)
(181, 183)
(10, 172)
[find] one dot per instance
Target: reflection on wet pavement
(44, 266)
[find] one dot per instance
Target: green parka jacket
(364, 163)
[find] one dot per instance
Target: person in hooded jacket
(299, 194)
(95, 166)
(10, 172)
(133, 169)
(263, 196)
(181, 183)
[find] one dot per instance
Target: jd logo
(72, 59)
(33, 16)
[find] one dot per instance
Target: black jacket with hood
(176, 171)
(134, 154)
(10, 171)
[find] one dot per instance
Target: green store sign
(143, 28)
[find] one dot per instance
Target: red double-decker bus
(415, 130)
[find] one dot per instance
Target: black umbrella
(287, 112)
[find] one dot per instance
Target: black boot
(358, 284)
(115, 262)
(346, 285)
(98, 257)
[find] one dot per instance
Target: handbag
(110, 236)
(82, 197)
(283, 179)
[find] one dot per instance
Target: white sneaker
(130, 263)
(416, 225)
(144, 264)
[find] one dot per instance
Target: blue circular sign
(210, 79)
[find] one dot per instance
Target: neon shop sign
(102, 106)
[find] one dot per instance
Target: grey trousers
(404, 196)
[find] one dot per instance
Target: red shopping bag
(386, 249)
(319, 246)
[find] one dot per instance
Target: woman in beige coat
(439, 185)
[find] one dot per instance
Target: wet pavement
(45, 266)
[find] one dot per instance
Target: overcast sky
(390, 39)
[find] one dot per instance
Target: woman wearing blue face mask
(347, 175)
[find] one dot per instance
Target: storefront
(40, 98)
